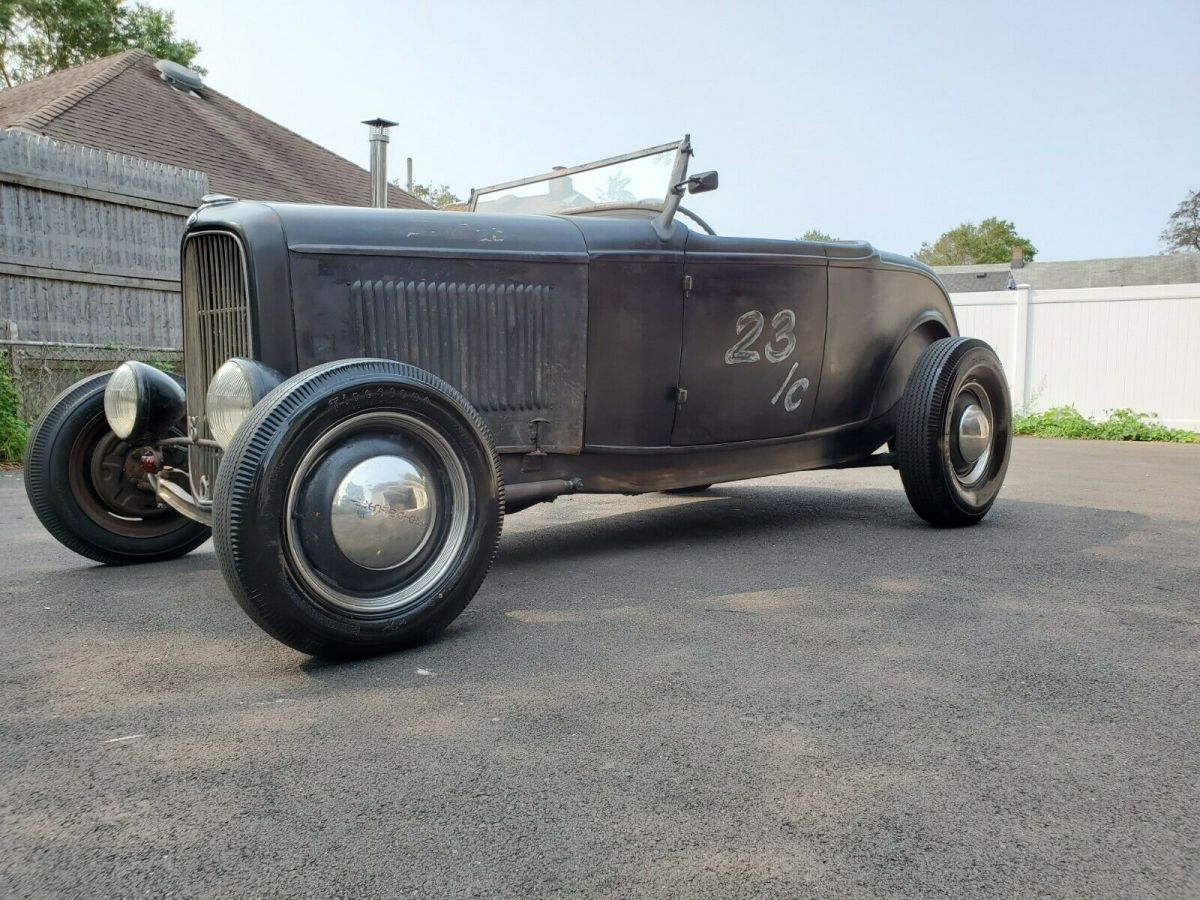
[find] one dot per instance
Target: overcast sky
(886, 121)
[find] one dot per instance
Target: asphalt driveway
(787, 687)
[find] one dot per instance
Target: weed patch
(13, 431)
(1121, 425)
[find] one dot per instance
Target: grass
(1121, 425)
(13, 431)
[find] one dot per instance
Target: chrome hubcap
(971, 438)
(974, 433)
(399, 520)
(383, 512)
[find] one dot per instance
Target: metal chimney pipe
(410, 175)
(379, 141)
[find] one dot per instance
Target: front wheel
(954, 432)
(88, 488)
(358, 508)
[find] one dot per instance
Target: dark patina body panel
(496, 308)
(754, 335)
(595, 348)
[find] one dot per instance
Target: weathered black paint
(732, 278)
(613, 337)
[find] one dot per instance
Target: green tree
(438, 195)
(38, 37)
(1182, 233)
(815, 234)
(991, 241)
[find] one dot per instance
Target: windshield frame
(680, 146)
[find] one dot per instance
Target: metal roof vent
(179, 77)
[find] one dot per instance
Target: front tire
(358, 508)
(954, 432)
(86, 486)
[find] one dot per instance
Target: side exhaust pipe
(522, 496)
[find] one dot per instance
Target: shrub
(13, 431)
(1121, 425)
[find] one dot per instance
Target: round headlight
(234, 390)
(121, 401)
(142, 403)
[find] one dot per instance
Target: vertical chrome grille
(216, 326)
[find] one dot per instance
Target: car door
(753, 339)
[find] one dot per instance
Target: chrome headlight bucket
(234, 390)
(141, 402)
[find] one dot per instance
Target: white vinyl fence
(1096, 349)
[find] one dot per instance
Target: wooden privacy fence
(89, 243)
(1096, 349)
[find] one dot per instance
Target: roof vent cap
(179, 77)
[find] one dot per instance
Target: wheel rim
(108, 484)
(398, 519)
(971, 432)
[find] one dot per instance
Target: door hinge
(535, 436)
(532, 461)
(687, 285)
(680, 395)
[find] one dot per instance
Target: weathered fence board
(89, 242)
(42, 228)
(51, 310)
(23, 153)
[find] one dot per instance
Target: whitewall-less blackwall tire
(358, 508)
(86, 486)
(954, 432)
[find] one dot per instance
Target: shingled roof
(1169, 268)
(121, 103)
(992, 277)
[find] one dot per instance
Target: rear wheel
(358, 509)
(88, 488)
(954, 432)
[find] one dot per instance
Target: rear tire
(954, 432)
(85, 487)
(358, 508)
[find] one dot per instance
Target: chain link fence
(41, 371)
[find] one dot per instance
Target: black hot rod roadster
(367, 392)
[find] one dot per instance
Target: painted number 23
(777, 348)
(750, 326)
